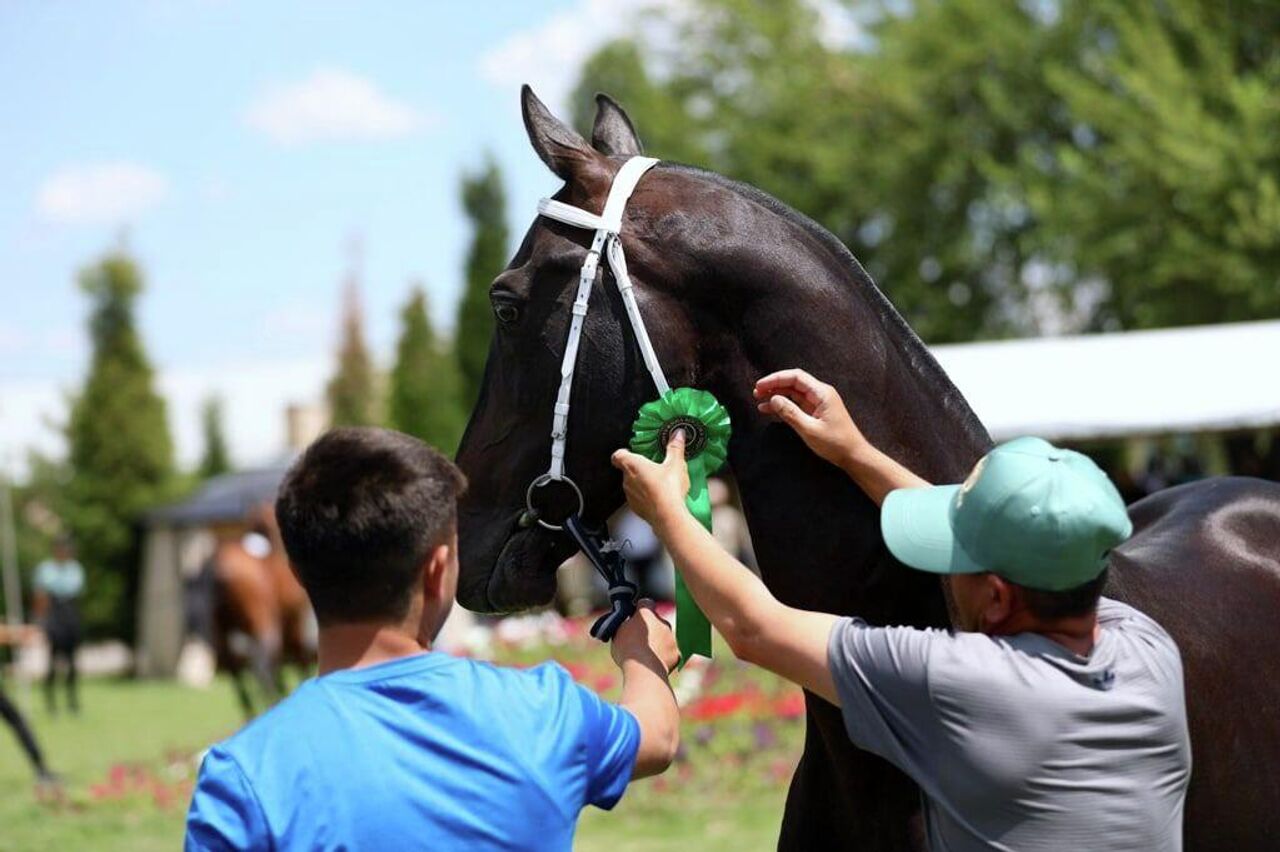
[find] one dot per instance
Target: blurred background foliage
(1001, 167)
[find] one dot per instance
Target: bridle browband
(607, 239)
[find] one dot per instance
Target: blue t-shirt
(424, 752)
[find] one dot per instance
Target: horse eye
(506, 312)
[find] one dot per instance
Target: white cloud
(549, 56)
(100, 193)
(332, 105)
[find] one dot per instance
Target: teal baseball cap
(1035, 514)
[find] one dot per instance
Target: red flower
(717, 706)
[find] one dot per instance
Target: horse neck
(817, 536)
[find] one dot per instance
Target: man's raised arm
(818, 415)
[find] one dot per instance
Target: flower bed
(743, 727)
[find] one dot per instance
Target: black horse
(733, 285)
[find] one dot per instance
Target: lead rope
(607, 558)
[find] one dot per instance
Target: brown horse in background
(261, 618)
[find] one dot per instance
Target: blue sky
(239, 148)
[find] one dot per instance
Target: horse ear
(563, 150)
(614, 134)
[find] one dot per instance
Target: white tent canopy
(1203, 378)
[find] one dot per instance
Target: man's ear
(435, 573)
(1001, 602)
(558, 145)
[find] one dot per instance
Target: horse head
(506, 564)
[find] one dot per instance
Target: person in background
(45, 779)
(59, 582)
(649, 565)
(729, 525)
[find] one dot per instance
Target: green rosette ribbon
(706, 420)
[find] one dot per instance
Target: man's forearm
(876, 473)
(760, 629)
(646, 693)
(733, 598)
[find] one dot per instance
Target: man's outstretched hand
(818, 415)
(815, 411)
(646, 637)
(655, 491)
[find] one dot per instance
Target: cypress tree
(216, 459)
(351, 392)
(424, 381)
(120, 454)
(484, 200)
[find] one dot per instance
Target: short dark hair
(360, 512)
(1078, 600)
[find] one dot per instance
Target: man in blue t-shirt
(395, 746)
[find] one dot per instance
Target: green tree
(352, 391)
(216, 459)
(754, 90)
(120, 455)
(618, 69)
(423, 399)
(1001, 167)
(484, 200)
(1168, 195)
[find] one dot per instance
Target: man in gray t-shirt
(1018, 743)
(1053, 719)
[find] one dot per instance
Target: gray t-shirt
(1018, 743)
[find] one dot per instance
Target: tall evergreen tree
(1169, 193)
(216, 459)
(424, 381)
(484, 200)
(352, 391)
(120, 453)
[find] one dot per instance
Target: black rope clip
(606, 557)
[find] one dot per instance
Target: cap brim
(916, 524)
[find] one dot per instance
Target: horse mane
(904, 336)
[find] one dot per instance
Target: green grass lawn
(129, 759)
(126, 763)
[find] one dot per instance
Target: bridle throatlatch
(696, 411)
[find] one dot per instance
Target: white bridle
(608, 238)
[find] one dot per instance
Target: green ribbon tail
(693, 629)
(708, 425)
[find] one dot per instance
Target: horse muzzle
(504, 567)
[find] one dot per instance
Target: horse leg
(51, 681)
(844, 798)
(263, 660)
(73, 695)
(242, 692)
